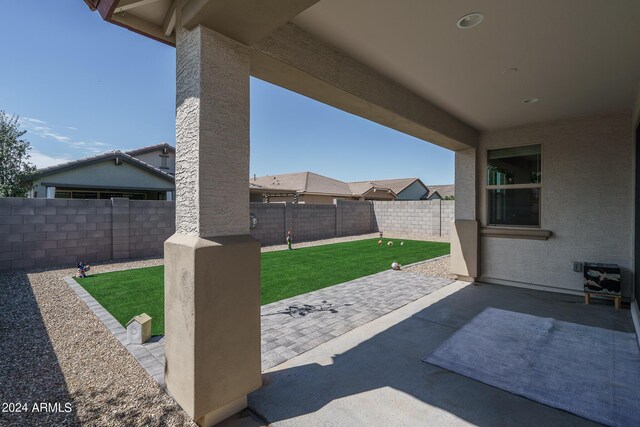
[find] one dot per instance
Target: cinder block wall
(447, 215)
(151, 222)
(419, 219)
(271, 222)
(61, 232)
(44, 232)
(353, 218)
(312, 222)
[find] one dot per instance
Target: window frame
(538, 185)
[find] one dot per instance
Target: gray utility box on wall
(602, 278)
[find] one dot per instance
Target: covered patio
(540, 102)
(374, 375)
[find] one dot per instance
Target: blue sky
(82, 87)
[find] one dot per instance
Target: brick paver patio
(348, 305)
(332, 312)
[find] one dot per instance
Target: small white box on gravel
(139, 329)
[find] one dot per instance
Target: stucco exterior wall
(465, 184)
(153, 158)
(636, 108)
(587, 175)
(315, 199)
(105, 175)
(412, 192)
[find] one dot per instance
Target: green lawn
(283, 274)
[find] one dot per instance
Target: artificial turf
(284, 274)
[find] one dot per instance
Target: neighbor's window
(163, 162)
(514, 185)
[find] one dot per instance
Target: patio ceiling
(577, 56)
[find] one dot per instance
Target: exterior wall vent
(118, 161)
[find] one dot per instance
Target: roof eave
(105, 157)
(106, 8)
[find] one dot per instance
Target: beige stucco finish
(587, 202)
(464, 248)
(299, 61)
(212, 274)
(212, 134)
(212, 320)
(465, 184)
(636, 109)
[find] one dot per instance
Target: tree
(16, 172)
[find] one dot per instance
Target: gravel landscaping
(53, 350)
(439, 267)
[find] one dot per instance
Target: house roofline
(150, 148)
(100, 158)
(375, 190)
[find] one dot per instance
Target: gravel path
(440, 267)
(54, 350)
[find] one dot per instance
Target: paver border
(151, 354)
(152, 361)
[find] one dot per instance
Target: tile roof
(443, 190)
(396, 185)
(305, 182)
(254, 186)
(150, 148)
(310, 182)
(102, 157)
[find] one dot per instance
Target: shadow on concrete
(29, 369)
(382, 381)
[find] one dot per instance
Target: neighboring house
(262, 193)
(311, 187)
(446, 192)
(161, 156)
(404, 188)
(145, 174)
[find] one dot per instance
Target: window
(164, 162)
(63, 194)
(514, 186)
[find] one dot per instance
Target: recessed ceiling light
(470, 20)
(530, 101)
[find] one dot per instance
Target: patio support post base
(212, 323)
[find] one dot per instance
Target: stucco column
(212, 265)
(464, 228)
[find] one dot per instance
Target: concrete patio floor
(373, 375)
